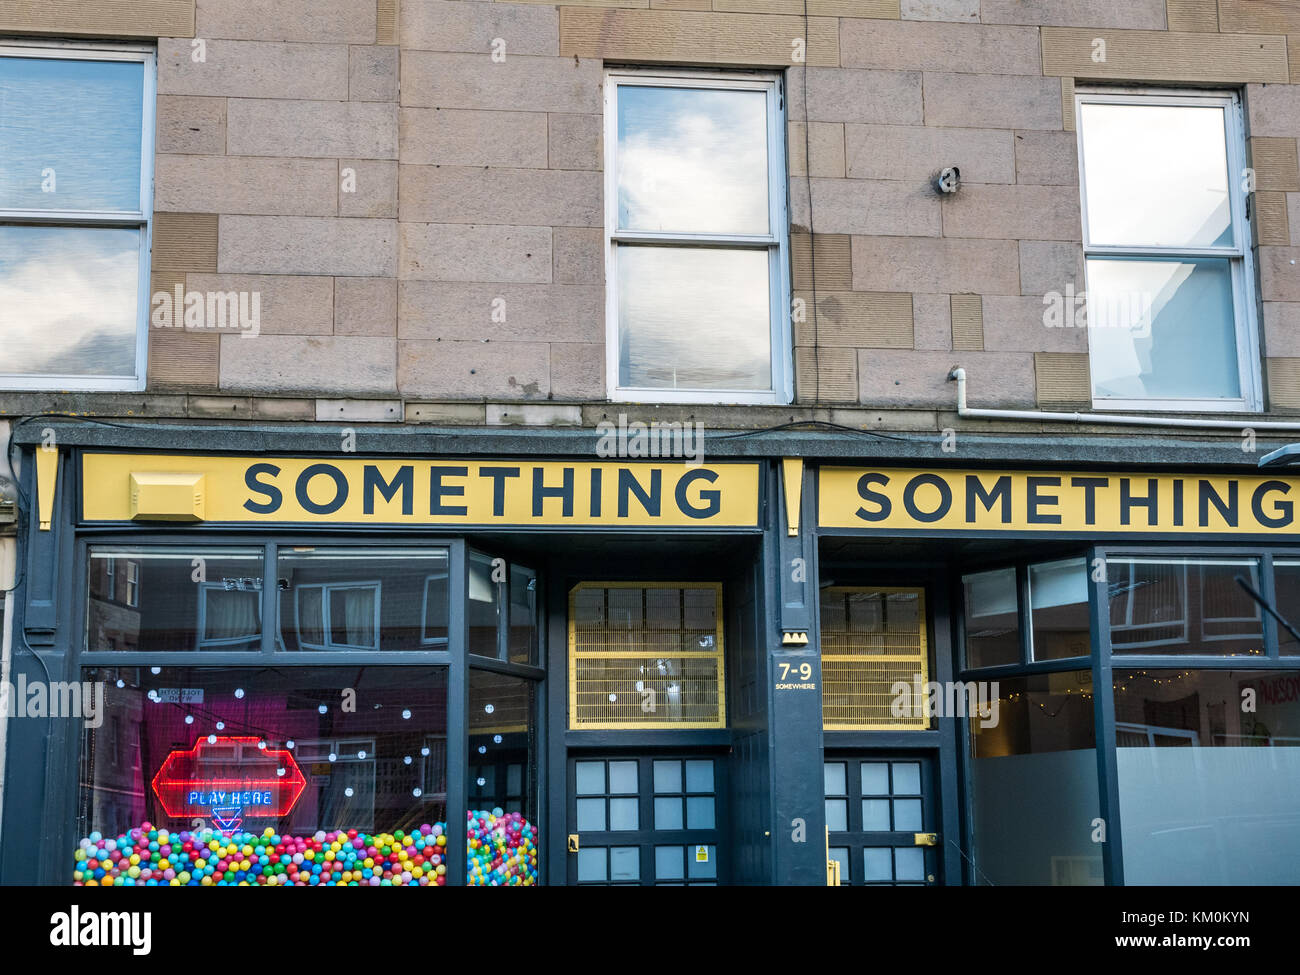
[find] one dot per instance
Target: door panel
(646, 820)
(876, 805)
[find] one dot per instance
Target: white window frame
(327, 588)
(777, 242)
(141, 220)
(132, 583)
(1240, 258)
(222, 643)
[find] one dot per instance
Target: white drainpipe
(1120, 419)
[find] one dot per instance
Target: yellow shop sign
(1054, 502)
(296, 490)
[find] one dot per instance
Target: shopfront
(1125, 711)
(308, 666)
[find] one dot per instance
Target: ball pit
(502, 850)
(151, 857)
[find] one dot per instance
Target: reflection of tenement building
(421, 535)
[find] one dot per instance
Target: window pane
(668, 863)
(875, 779)
(907, 815)
(1286, 581)
(591, 778)
(1162, 329)
(692, 160)
(484, 606)
(699, 775)
(1058, 605)
(1156, 175)
(877, 864)
(836, 782)
(1181, 606)
(523, 615)
(622, 777)
(1208, 790)
(837, 815)
(668, 813)
(591, 815)
(69, 298)
(173, 741)
(992, 619)
(625, 863)
(875, 814)
(702, 863)
(909, 863)
(80, 118)
(502, 823)
(700, 813)
(694, 318)
(329, 596)
(186, 599)
(907, 778)
(668, 776)
(1038, 753)
(623, 814)
(591, 865)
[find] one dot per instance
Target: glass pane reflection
(692, 160)
(1162, 329)
(71, 132)
(69, 298)
(1177, 196)
(697, 318)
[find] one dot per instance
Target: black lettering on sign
(498, 475)
(1089, 485)
(1033, 500)
(274, 497)
(541, 492)
(1151, 502)
(909, 497)
(403, 480)
(340, 489)
(1208, 496)
(437, 490)
(1000, 492)
(629, 485)
(712, 499)
(873, 497)
(1287, 508)
(1178, 502)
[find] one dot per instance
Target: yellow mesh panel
(646, 655)
(870, 638)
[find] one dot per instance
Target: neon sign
(224, 777)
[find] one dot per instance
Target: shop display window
(1058, 607)
(355, 599)
(502, 784)
(1033, 784)
(276, 772)
(345, 767)
(1184, 606)
(992, 618)
(1286, 585)
(1209, 775)
(174, 598)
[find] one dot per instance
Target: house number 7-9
(805, 671)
